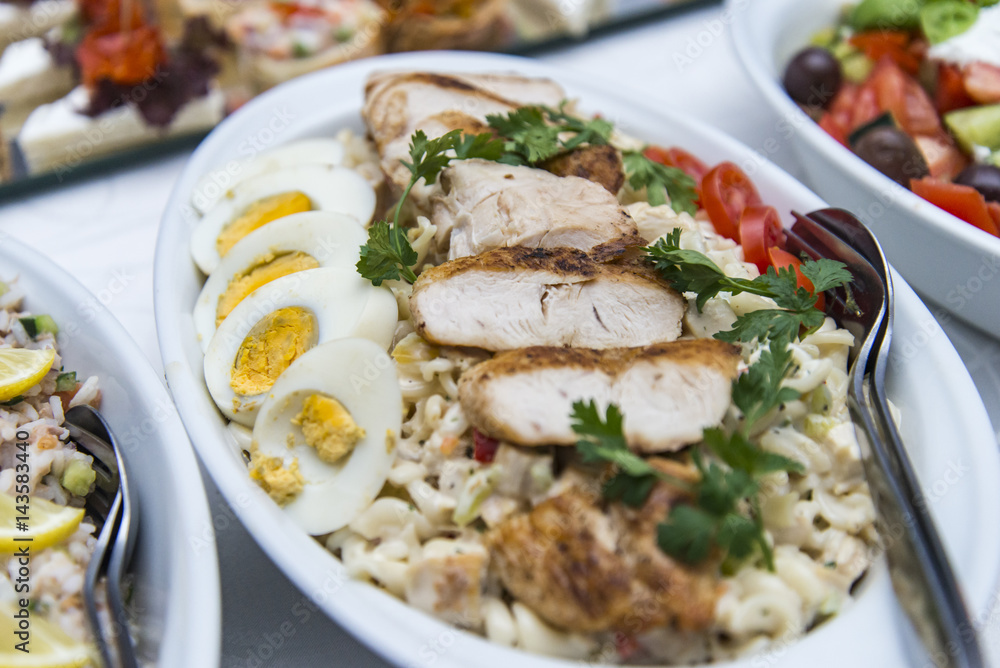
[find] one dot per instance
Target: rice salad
(58, 473)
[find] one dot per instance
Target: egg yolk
(281, 483)
(328, 427)
(270, 347)
(260, 213)
(268, 269)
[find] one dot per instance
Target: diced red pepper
(485, 448)
(893, 44)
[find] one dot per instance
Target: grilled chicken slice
(668, 393)
(399, 103)
(586, 570)
(519, 297)
(600, 164)
(487, 205)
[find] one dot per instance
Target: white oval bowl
(939, 402)
(177, 595)
(949, 261)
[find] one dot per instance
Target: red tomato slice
(982, 82)
(964, 202)
(894, 44)
(781, 259)
(760, 229)
(994, 209)
(901, 94)
(833, 127)
(725, 191)
(943, 158)
(949, 93)
(123, 58)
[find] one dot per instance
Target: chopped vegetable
(78, 477)
(658, 179)
(964, 202)
(36, 325)
(66, 382)
(484, 447)
(725, 191)
(943, 19)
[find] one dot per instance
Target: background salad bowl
(944, 420)
(176, 595)
(947, 260)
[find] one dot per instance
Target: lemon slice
(48, 645)
(47, 524)
(21, 369)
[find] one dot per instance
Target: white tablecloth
(104, 230)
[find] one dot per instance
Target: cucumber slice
(886, 14)
(976, 126)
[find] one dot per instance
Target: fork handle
(921, 575)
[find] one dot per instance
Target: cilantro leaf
(825, 274)
(741, 454)
(630, 490)
(387, 255)
(688, 534)
(594, 131)
(738, 535)
(484, 146)
(658, 178)
(759, 390)
(691, 271)
(603, 440)
(528, 135)
(429, 156)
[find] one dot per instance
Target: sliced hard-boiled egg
(283, 319)
(328, 433)
(214, 186)
(262, 199)
(295, 243)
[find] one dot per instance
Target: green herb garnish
(691, 271)
(657, 178)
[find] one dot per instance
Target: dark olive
(984, 178)
(813, 77)
(892, 152)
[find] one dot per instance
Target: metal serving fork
(922, 577)
(111, 506)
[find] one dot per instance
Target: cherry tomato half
(679, 158)
(781, 259)
(725, 191)
(760, 229)
(964, 202)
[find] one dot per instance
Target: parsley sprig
(725, 510)
(535, 134)
(658, 179)
(388, 254)
(691, 271)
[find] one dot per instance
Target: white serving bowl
(947, 260)
(943, 416)
(177, 595)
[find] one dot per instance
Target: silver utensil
(112, 506)
(921, 574)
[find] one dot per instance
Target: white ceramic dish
(944, 418)
(947, 260)
(177, 595)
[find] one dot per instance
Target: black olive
(892, 152)
(984, 178)
(813, 77)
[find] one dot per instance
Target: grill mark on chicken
(668, 393)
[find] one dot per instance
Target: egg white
(343, 303)
(362, 377)
(336, 189)
(213, 186)
(333, 239)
